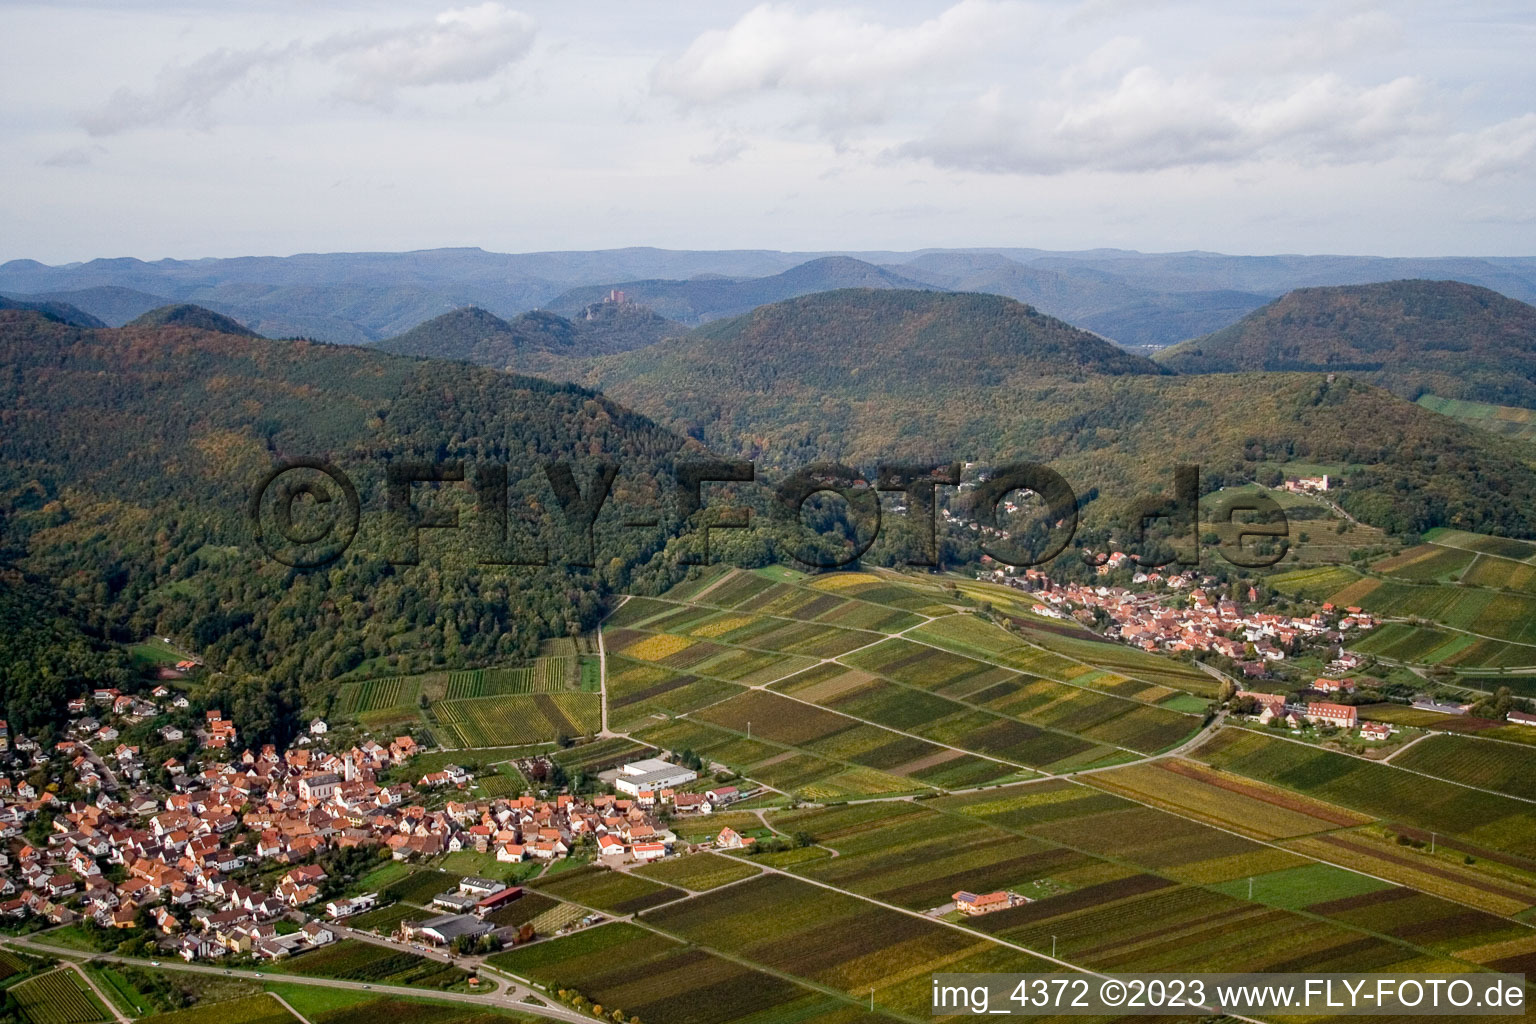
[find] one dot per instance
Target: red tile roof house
(1375, 731)
(1341, 715)
(730, 839)
(972, 903)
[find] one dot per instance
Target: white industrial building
(650, 774)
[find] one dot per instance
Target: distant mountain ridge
(1089, 298)
(1132, 298)
(533, 342)
(1413, 337)
(111, 304)
(62, 312)
(701, 299)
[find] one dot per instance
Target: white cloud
(457, 47)
(777, 48)
(1149, 121)
(1498, 149)
(724, 151)
(1320, 41)
(460, 46)
(182, 90)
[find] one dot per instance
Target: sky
(164, 129)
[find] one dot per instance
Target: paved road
(510, 998)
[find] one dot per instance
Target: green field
(1376, 789)
(698, 872)
(420, 886)
(556, 671)
(58, 997)
(1504, 420)
(664, 981)
(1299, 887)
(605, 889)
(600, 754)
(832, 939)
(1318, 584)
(515, 720)
(1482, 763)
(1429, 645)
(256, 1009)
(353, 960)
(378, 694)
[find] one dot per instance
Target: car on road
(154, 963)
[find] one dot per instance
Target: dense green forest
(127, 458)
(185, 314)
(1413, 337)
(45, 658)
(864, 376)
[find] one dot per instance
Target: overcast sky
(156, 129)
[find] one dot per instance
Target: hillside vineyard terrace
(305, 512)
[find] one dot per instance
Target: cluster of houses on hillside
(186, 860)
(1205, 623)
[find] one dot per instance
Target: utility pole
(1053, 947)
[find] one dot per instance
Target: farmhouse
(1341, 715)
(1333, 685)
(730, 839)
(1375, 731)
(1274, 703)
(1521, 718)
(971, 903)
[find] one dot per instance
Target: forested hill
(53, 310)
(880, 342)
(534, 342)
(128, 455)
(800, 365)
(185, 314)
(1415, 337)
(870, 376)
(473, 335)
